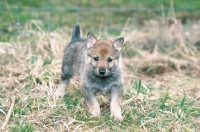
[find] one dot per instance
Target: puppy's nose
(102, 71)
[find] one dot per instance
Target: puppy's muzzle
(101, 72)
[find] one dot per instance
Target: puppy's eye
(109, 59)
(96, 58)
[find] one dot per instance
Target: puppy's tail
(76, 33)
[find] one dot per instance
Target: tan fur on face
(103, 49)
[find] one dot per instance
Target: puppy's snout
(102, 71)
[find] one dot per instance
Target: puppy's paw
(95, 112)
(60, 91)
(96, 115)
(117, 117)
(116, 111)
(59, 94)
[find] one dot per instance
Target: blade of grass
(138, 86)
(162, 106)
(183, 101)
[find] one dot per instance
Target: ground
(161, 73)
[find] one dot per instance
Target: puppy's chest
(102, 88)
(104, 85)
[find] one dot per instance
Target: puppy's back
(73, 54)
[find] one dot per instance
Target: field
(161, 82)
(104, 15)
(161, 72)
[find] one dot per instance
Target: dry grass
(161, 71)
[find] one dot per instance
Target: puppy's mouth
(101, 74)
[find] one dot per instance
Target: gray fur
(75, 62)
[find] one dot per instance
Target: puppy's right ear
(91, 40)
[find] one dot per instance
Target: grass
(22, 127)
(161, 71)
(53, 14)
(161, 68)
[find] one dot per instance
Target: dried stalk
(9, 114)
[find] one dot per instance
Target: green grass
(22, 127)
(94, 20)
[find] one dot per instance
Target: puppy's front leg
(116, 98)
(91, 101)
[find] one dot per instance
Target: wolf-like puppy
(97, 62)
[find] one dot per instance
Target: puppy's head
(103, 54)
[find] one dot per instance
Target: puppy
(98, 64)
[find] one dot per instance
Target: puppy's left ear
(118, 43)
(91, 40)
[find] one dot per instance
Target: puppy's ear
(118, 43)
(91, 40)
